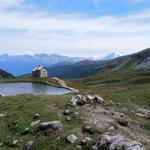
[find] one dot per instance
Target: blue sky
(74, 27)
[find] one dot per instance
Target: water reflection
(30, 88)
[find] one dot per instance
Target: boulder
(51, 124)
(71, 138)
(117, 142)
(81, 99)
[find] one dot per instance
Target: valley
(110, 111)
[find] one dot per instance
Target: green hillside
(4, 74)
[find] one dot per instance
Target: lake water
(8, 89)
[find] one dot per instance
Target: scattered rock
(26, 131)
(2, 115)
(111, 128)
(67, 112)
(73, 101)
(79, 146)
(118, 104)
(36, 116)
(76, 114)
(68, 118)
(117, 142)
(95, 147)
(121, 115)
(89, 130)
(51, 124)
(140, 115)
(81, 100)
(71, 138)
(28, 145)
(123, 122)
(85, 141)
(98, 99)
(14, 143)
(34, 123)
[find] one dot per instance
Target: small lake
(8, 89)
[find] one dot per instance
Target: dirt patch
(105, 119)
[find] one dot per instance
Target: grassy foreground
(20, 110)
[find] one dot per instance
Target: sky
(74, 27)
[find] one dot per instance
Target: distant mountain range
(137, 61)
(22, 64)
(76, 67)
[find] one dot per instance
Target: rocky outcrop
(83, 99)
(116, 142)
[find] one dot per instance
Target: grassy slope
(20, 109)
(4, 74)
(128, 87)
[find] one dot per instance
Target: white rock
(29, 145)
(2, 115)
(51, 124)
(34, 123)
(73, 101)
(72, 138)
(118, 142)
(15, 143)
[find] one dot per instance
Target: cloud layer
(70, 33)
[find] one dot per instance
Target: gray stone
(123, 122)
(68, 118)
(76, 113)
(117, 142)
(73, 101)
(28, 145)
(71, 138)
(86, 140)
(26, 131)
(14, 143)
(98, 99)
(2, 115)
(67, 112)
(51, 124)
(36, 116)
(89, 129)
(34, 123)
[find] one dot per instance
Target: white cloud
(72, 34)
(9, 3)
